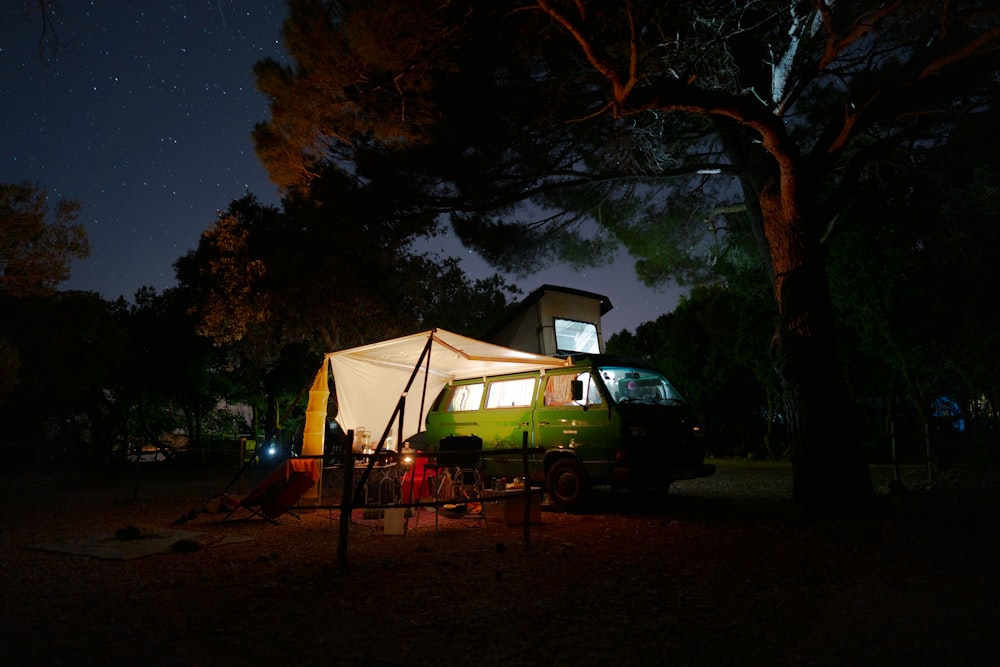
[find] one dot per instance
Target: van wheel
(565, 483)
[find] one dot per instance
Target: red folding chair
(280, 491)
(416, 481)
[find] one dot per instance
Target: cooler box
(508, 506)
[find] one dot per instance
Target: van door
(455, 412)
(506, 415)
(583, 426)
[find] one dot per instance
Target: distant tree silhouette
(35, 248)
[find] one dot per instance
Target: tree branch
(621, 85)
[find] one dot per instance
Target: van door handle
(543, 423)
(529, 423)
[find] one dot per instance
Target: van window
(572, 336)
(510, 393)
(559, 389)
(639, 385)
(465, 397)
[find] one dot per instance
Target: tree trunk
(830, 475)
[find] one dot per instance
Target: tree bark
(830, 475)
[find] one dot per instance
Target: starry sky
(144, 116)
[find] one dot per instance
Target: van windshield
(639, 385)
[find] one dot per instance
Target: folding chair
(458, 468)
(280, 491)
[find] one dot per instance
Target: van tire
(566, 483)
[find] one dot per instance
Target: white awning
(370, 379)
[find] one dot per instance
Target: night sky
(145, 117)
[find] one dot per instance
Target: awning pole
(427, 373)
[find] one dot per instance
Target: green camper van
(600, 421)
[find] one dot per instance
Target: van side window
(559, 389)
(465, 397)
(510, 393)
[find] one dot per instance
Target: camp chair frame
(458, 463)
(280, 491)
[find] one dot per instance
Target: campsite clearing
(724, 572)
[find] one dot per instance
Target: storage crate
(508, 506)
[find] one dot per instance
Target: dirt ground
(722, 572)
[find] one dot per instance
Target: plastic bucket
(394, 521)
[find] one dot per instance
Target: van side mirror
(576, 388)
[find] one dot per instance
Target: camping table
(386, 481)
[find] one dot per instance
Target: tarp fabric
(314, 430)
(315, 426)
(370, 379)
